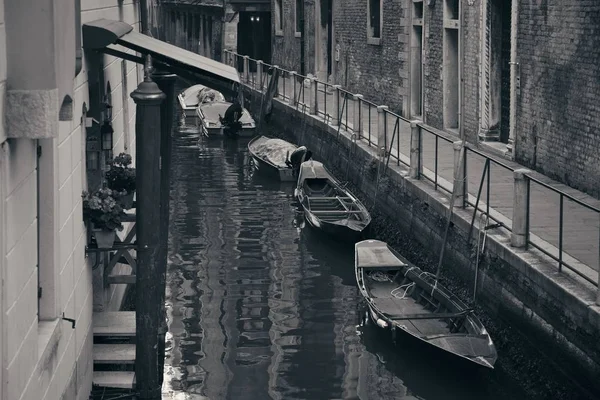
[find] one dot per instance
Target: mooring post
(357, 117)
(337, 106)
(294, 82)
(520, 220)
(381, 127)
(459, 189)
(166, 83)
(148, 98)
(259, 75)
(314, 97)
(277, 71)
(416, 155)
(246, 69)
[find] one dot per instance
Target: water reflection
(260, 307)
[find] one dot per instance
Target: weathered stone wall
(518, 291)
(558, 49)
(286, 46)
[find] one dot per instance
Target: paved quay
(581, 226)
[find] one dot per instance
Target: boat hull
(340, 232)
(283, 174)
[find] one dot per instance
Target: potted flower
(105, 213)
(121, 178)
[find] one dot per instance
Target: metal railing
(386, 130)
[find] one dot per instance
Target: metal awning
(106, 36)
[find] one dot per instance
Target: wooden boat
(209, 119)
(272, 156)
(406, 299)
(327, 206)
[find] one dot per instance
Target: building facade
(51, 90)
(208, 27)
(516, 77)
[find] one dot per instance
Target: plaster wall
(47, 358)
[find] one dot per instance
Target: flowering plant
(101, 208)
(120, 176)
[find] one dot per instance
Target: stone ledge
(32, 114)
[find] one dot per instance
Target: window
(375, 19)
(279, 17)
(299, 18)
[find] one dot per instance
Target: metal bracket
(71, 320)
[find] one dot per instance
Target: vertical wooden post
(246, 69)
(357, 123)
(460, 183)
(381, 127)
(337, 106)
(518, 236)
(314, 97)
(259, 75)
(148, 98)
(416, 156)
(295, 88)
(166, 83)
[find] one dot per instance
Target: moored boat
(405, 299)
(275, 156)
(327, 205)
(210, 115)
(195, 95)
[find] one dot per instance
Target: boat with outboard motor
(277, 157)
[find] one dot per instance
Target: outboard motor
(297, 157)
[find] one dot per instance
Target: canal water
(261, 307)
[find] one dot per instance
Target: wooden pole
(166, 83)
(148, 99)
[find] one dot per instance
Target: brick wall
(378, 72)
(472, 55)
(49, 360)
(286, 47)
(558, 114)
(432, 77)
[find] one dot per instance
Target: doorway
(254, 37)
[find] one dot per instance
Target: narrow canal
(260, 307)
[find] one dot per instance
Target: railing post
(246, 69)
(259, 75)
(520, 220)
(357, 120)
(381, 127)
(294, 83)
(415, 150)
(314, 97)
(276, 67)
(337, 107)
(460, 183)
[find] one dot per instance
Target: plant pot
(127, 200)
(105, 239)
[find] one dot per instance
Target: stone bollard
(416, 156)
(520, 221)
(337, 107)
(259, 75)
(460, 183)
(357, 120)
(381, 127)
(246, 69)
(314, 97)
(295, 91)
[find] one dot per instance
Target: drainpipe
(78, 49)
(461, 77)
(514, 80)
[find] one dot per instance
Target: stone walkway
(581, 231)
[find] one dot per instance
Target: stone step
(114, 353)
(114, 323)
(114, 379)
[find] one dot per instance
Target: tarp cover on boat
(198, 94)
(374, 254)
(273, 150)
(312, 169)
